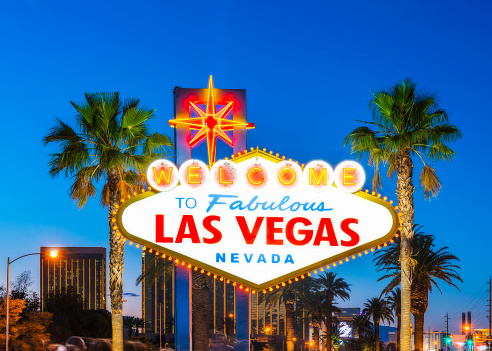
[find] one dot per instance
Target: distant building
(481, 335)
(84, 268)
(348, 314)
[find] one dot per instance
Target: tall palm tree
(379, 309)
(287, 295)
(406, 123)
(429, 265)
(201, 306)
(394, 299)
(315, 311)
(332, 288)
(111, 143)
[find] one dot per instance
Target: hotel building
(84, 268)
(158, 305)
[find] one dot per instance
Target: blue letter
(275, 258)
(284, 200)
(218, 257)
(248, 259)
(215, 198)
(251, 202)
(261, 258)
(289, 259)
(234, 258)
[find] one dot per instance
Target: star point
(211, 123)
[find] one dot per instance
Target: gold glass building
(158, 305)
(84, 268)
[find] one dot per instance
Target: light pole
(7, 317)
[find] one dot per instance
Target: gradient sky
(309, 69)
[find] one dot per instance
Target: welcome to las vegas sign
(257, 219)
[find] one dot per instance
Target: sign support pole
(242, 314)
(183, 308)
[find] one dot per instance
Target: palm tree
(406, 123)
(362, 324)
(139, 324)
(111, 143)
(129, 322)
(379, 309)
(332, 288)
(429, 265)
(201, 307)
(335, 336)
(369, 342)
(314, 309)
(394, 299)
(287, 295)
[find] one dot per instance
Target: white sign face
(271, 226)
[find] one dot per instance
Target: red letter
(159, 230)
(271, 230)
(331, 238)
(289, 231)
(354, 237)
(193, 234)
(207, 224)
(249, 237)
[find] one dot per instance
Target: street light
(7, 317)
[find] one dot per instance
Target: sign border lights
(286, 174)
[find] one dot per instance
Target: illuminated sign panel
(259, 220)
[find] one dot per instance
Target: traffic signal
(469, 341)
(447, 339)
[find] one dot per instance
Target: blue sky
(308, 68)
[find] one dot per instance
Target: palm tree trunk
(420, 302)
(376, 334)
(398, 330)
(405, 191)
(200, 311)
(329, 325)
(316, 336)
(419, 331)
(289, 319)
(116, 266)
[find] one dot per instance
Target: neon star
(211, 123)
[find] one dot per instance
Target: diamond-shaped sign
(258, 220)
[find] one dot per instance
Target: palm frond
(404, 119)
(110, 137)
(429, 182)
(156, 268)
(83, 187)
(376, 179)
(391, 165)
(159, 145)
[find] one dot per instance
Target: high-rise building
(83, 268)
(158, 305)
